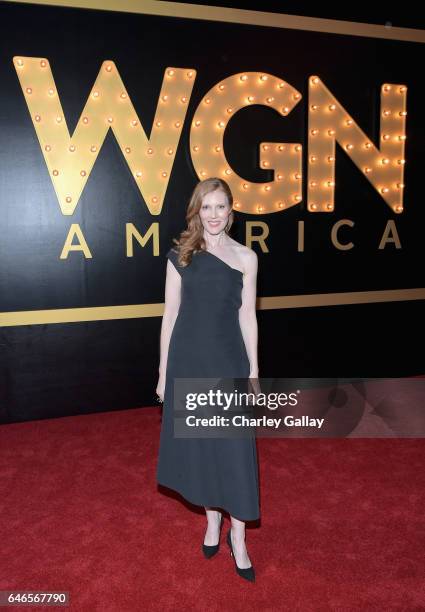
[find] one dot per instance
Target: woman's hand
(160, 388)
(255, 385)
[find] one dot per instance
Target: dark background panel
(61, 369)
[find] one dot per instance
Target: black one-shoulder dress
(207, 342)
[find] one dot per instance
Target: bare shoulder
(246, 256)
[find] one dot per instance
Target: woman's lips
(214, 223)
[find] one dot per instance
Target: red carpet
(342, 523)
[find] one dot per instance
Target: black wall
(50, 370)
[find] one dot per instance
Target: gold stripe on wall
(137, 311)
(233, 15)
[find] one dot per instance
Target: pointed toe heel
(210, 551)
(248, 572)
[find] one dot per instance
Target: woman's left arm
(247, 312)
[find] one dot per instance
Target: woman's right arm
(171, 310)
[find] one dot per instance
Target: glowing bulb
(43, 63)
(331, 132)
(368, 145)
(243, 77)
(314, 107)
(266, 147)
(123, 95)
(177, 124)
(385, 160)
(263, 77)
(398, 208)
(313, 158)
(37, 118)
(269, 100)
(164, 174)
(285, 110)
(72, 148)
(218, 149)
(83, 173)
(349, 147)
(19, 62)
(85, 120)
(95, 94)
(134, 122)
(331, 158)
(197, 123)
(266, 163)
(267, 188)
(279, 177)
(229, 110)
(164, 98)
(51, 91)
(207, 100)
(183, 100)
(250, 98)
(93, 149)
(297, 176)
(170, 72)
(332, 107)
(189, 74)
(154, 199)
(68, 199)
(196, 148)
(170, 151)
(228, 171)
(298, 148)
(245, 185)
(55, 172)
(158, 124)
(110, 119)
(386, 137)
(48, 148)
(108, 68)
(367, 170)
(386, 88)
(281, 148)
(402, 113)
(58, 119)
(384, 190)
(28, 90)
(150, 151)
(349, 122)
(127, 150)
(314, 80)
(138, 174)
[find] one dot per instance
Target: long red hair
(191, 239)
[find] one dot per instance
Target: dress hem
(213, 505)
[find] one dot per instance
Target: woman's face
(214, 211)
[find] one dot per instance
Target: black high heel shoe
(210, 551)
(248, 572)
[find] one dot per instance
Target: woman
(209, 329)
